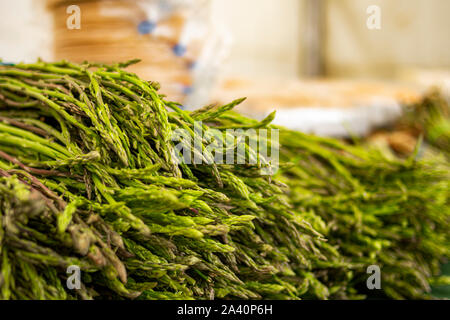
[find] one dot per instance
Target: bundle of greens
(91, 177)
(431, 118)
(95, 142)
(375, 210)
(391, 214)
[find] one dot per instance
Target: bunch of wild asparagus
(431, 118)
(89, 177)
(390, 213)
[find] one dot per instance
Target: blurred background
(331, 67)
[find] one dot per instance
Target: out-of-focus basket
(112, 31)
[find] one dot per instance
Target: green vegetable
(90, 176)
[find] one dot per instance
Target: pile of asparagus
(375, 210)
(90, 177)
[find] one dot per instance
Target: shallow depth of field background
(294, 56)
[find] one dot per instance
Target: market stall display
(90, 177)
